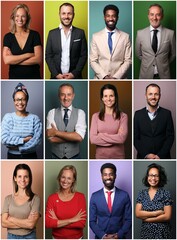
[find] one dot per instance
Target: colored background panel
(80, 101)
(141, 21)
(52, 21)
(51, 184)
(140, 168)
(123, 180)
(36, 12)
(167, 100)
(35, 105)
(97, 23)
(124, 89)
(7, 169)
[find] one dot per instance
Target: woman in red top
(66, 209)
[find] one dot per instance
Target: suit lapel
(59, 39)
(161, 39)
(117, 37)
(103, 202)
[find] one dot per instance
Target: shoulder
(123, 115)
(8, 35)
(33, 117)
(78, 30)
(36, 198)
(9, 197)
(123, 34)
(122, 192)
(54, 31)
(97, 193)
(143, 31)
(95, 115)
(140, 111)
(8, 116)
(34, 33)
(99, 34)
(80, 111)
(53, 197)
(167, 31)
(164, 110)
(79, 195)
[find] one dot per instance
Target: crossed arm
(23, 59)
(153, 216)
(15, 223)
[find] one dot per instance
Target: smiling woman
(22, 49)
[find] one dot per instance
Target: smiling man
(153, 127)
(155, 46)
(110, 52)
(66, 126)
(66, 49)
(110, 208)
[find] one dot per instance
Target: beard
(111, 26)
(109, 185)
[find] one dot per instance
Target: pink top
(109, 136)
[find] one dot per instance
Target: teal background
(52, 169)
(80, 101)
(141, 21)
(97, 23)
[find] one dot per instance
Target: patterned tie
(155, 41)
(66, 118)
(109, 201)
(110, 41)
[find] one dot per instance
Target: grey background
(140, 168)
(80, 101)
(35, 105)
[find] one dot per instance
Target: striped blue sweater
(15, 128)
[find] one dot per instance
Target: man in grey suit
(66, 49)
(155, 46)
(66, 126)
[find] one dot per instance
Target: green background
(97, 23)
(141, 21)
(52, 21)
(80, 101)
(52, 169)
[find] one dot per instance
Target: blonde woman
(22, 49)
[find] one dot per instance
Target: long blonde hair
(12, 17)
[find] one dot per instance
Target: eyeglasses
(153, 175)
(20, 100)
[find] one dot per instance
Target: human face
(20, 17)
(66, 15)
(108, 98)
(20, 101)
(153, 177)
(155, 16)
(110, 18)
(66, 96)
(108, 178)
(153, 96)
(22, 179)
(67, 179)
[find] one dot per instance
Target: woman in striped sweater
(21, 131)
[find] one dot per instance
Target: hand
(33, 215)
(60, 76)
(68, 76)
(159, 212)
(109, 77)
(52, 214)
(81, 215)
(151, 156)
(111, 236)
(26, 139)
(51, 132)
(9, 53)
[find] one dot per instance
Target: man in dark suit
(110, 208)
(153, 127)
(155, 46)
(66, 49)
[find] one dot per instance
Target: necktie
(109, 201)
(110, 41)
(155, 41)
(65, 119)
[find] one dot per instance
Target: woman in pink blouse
(109, 127)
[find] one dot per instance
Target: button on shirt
(158, 39)
(80, 127)
(112, 195)
(65, 44)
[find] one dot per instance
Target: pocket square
(77, 40)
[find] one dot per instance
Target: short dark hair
(156, 5)
(67, 5)
(108, 165)
(111, 7)
(162, 175)
(65, 85)
(153, 85)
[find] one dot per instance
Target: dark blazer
(78, 52)
(154, 136)
(118, 221)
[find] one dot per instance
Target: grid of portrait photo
(88, 119)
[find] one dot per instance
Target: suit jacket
(78, 52)
(118, 221)
(164, 55)
(116, 64)
(153, 136)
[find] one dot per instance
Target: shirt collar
(152, 112)
(159, 28)
(70, 108)
(106, 190)
(114, 31)
(61, 27)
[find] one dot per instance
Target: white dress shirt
(80, 127)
